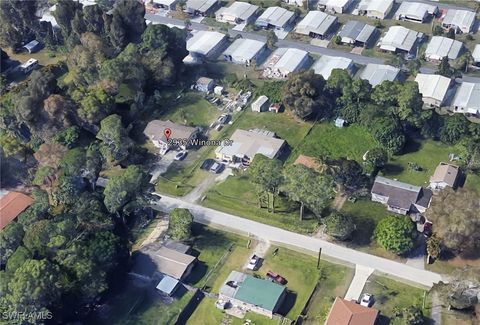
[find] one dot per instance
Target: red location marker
(167, 133)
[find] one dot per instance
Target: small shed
(261, 104)
(28, 66)
(218, 90)
(340, 122)
(275, 108)
(32, 46)
(168, 285)
(205, 84)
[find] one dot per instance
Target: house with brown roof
(346, 312)
(445, 175)
(11, 205)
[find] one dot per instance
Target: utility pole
(318, 260)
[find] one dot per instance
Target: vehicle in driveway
(207, 164)
(367, 300)
(217, 167)
(254, 263)
(181, 155)
(223, 119)
(277, 278)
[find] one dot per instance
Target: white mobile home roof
(377, 73)
(375, 5)
(244, 48)
(315, 22)
(203, 42)
(467, 98)
(433, 85)
(201, 5)
(399, 37)
(417, 10)
(165, 2)
(476, 53)
(325, 65)
(335, 5)
(291, 60)
(440, 47)
(276, 16)
(240, 10)
(464, 19)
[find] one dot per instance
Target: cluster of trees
(395, 234)
(180, 224)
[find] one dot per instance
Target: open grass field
(192, 109)
(327, 140)
(391, 295)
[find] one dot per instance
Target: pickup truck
(277, 278)
(254, 262)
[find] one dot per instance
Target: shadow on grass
(198, 272)
(362, 236)
(382, 320)
(392, 169)
(288, 303)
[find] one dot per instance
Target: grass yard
(139, 234)
(327, 140)
(391, 295)
(334, 282)
(236, 195)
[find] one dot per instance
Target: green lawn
(192, 109)
(237, 195)
(334, 282)
(391, 295)
(327, 140)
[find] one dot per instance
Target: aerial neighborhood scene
(216, 162)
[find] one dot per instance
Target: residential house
(11, 205)
(284, 61)
(261, 104)
(326, 64)
(379, 9)
(165, 4)
(335, 6)
(238, 13)
(246, 144)
(462, 21)
(467, 99)
(177, 246)
(346, 312)
(399, 39)
(205, 85)
(375, 74)
(440, 47)
(32, 46)
(357, 33)
(29, 65)
(417, 12)
(476, 55)
(251, 294)
(244, 51)
(434, 88)
(316, 24)
(206, 44)
(401, 198)
(201, 7)
(155, 131)
(445, 175)
(168, 285)
(275, 17)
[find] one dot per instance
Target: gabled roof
(357, 30)
(240, 10)
(415, 9)
(433, 85)
(316, 22)
(291, 60)
(445, 173)
(467, 97)
(400, 195)
(346, 312)
(476, 53)
(440, 47)
(155, 130)
(244, 48)
(326, 64)
(375, 5)
(377, 73)
(399, 37)
(201, 5)
(460, 18)
(203, 42)
(260, 292)
(11, 205)
(276, 16)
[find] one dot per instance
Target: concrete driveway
(161, 166)
(362, 273)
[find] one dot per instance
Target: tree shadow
(288, 303)
(392, 169)
(362, 235)
(412, 145)
(382, 320)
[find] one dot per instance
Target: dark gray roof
(400, 195)
(177, 246)
(352, 29)
(424, 197)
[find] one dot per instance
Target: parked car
(254, 263)
(277, 278)
(223, 119)
(427, 229)
(217, 167)
(181, 155)
(367, 300)
(207, 163)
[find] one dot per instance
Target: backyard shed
(261, 104)
(168, 285)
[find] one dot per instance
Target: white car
(367, 300)
(253, 264)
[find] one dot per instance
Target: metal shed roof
(291, 60)
(203, 42)
(375, 5)
(377, 73)
(415, 9)
(316, 22)
(468, 97)
(201, 5)
(167, 285)
(433, 85)
(460, 18)
(399, 37)
(276, 16)
(260, 292)
(440, 47)
(326, 64)
(244, 48)
(357, 30)
(476, 53)
(240, 10)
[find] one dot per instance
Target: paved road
(233, 223)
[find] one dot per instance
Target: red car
(277, 278)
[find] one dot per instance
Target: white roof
(476, 53)
(244, 48)
(240, 10)
(399, 37)
(375, 5)
(291, 60)
(315, 21)
(334, 3)
(468, 97)
(440, 47)
(260, 101)
(200, 5)
(203, 42)
(433, 85)
(415, 9)
(165, 2)
(377, 73)
(460, 18)
(276, 16)
(325, 65)
(28, 63)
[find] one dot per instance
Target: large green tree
(116, 144)
(339, 226)
(266, 174)
(180, 226)
(395, 234)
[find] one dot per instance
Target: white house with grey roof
(326, 64)
(165, 4)
(440, 47)
(206, 44)
(462, 21)
(476, 55)
(335, 6)
(379, 9)
(275, 17)
(357, 33)
(316, 24)
(244, 51)
(201, 7)
(238, 13)
(416, 12)
(434, 88)
(375, 74)
(399, 39)
(467, 99)
(284, 61)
